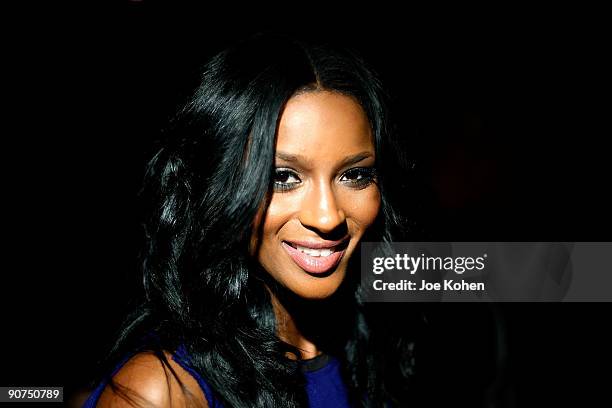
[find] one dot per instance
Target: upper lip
(318, 244)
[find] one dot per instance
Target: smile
(316, 258)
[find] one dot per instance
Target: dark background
(503, 111)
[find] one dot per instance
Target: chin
(316, 288)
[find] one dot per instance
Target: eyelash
(364, 177)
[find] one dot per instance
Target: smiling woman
(273, 173)
(325, 193)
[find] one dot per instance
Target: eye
(359, 177)
(285, 179)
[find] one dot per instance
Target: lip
(315, 264)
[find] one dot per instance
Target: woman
(280, 164)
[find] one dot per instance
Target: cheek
(277, 216)
(279, 213)
(362, 208)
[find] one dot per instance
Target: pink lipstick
(315, 257)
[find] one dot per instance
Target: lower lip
(314, 264)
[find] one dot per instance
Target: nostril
(327, 230)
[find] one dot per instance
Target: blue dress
(324, 385)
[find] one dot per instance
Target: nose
(320, 209)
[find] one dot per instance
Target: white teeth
(326, 252)
(315, 252)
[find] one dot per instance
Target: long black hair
(206, 184)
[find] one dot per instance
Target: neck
(312, 326)
(289, 332)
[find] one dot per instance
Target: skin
(149, 383)
(318, 132)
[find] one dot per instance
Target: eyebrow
(347, 161)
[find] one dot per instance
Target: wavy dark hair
(206, 184)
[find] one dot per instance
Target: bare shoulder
(145, 381)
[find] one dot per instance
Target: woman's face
(325, 193)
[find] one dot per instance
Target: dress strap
(182, 358)
(315, 363)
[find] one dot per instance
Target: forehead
(323, 124)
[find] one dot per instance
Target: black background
(503, 110)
